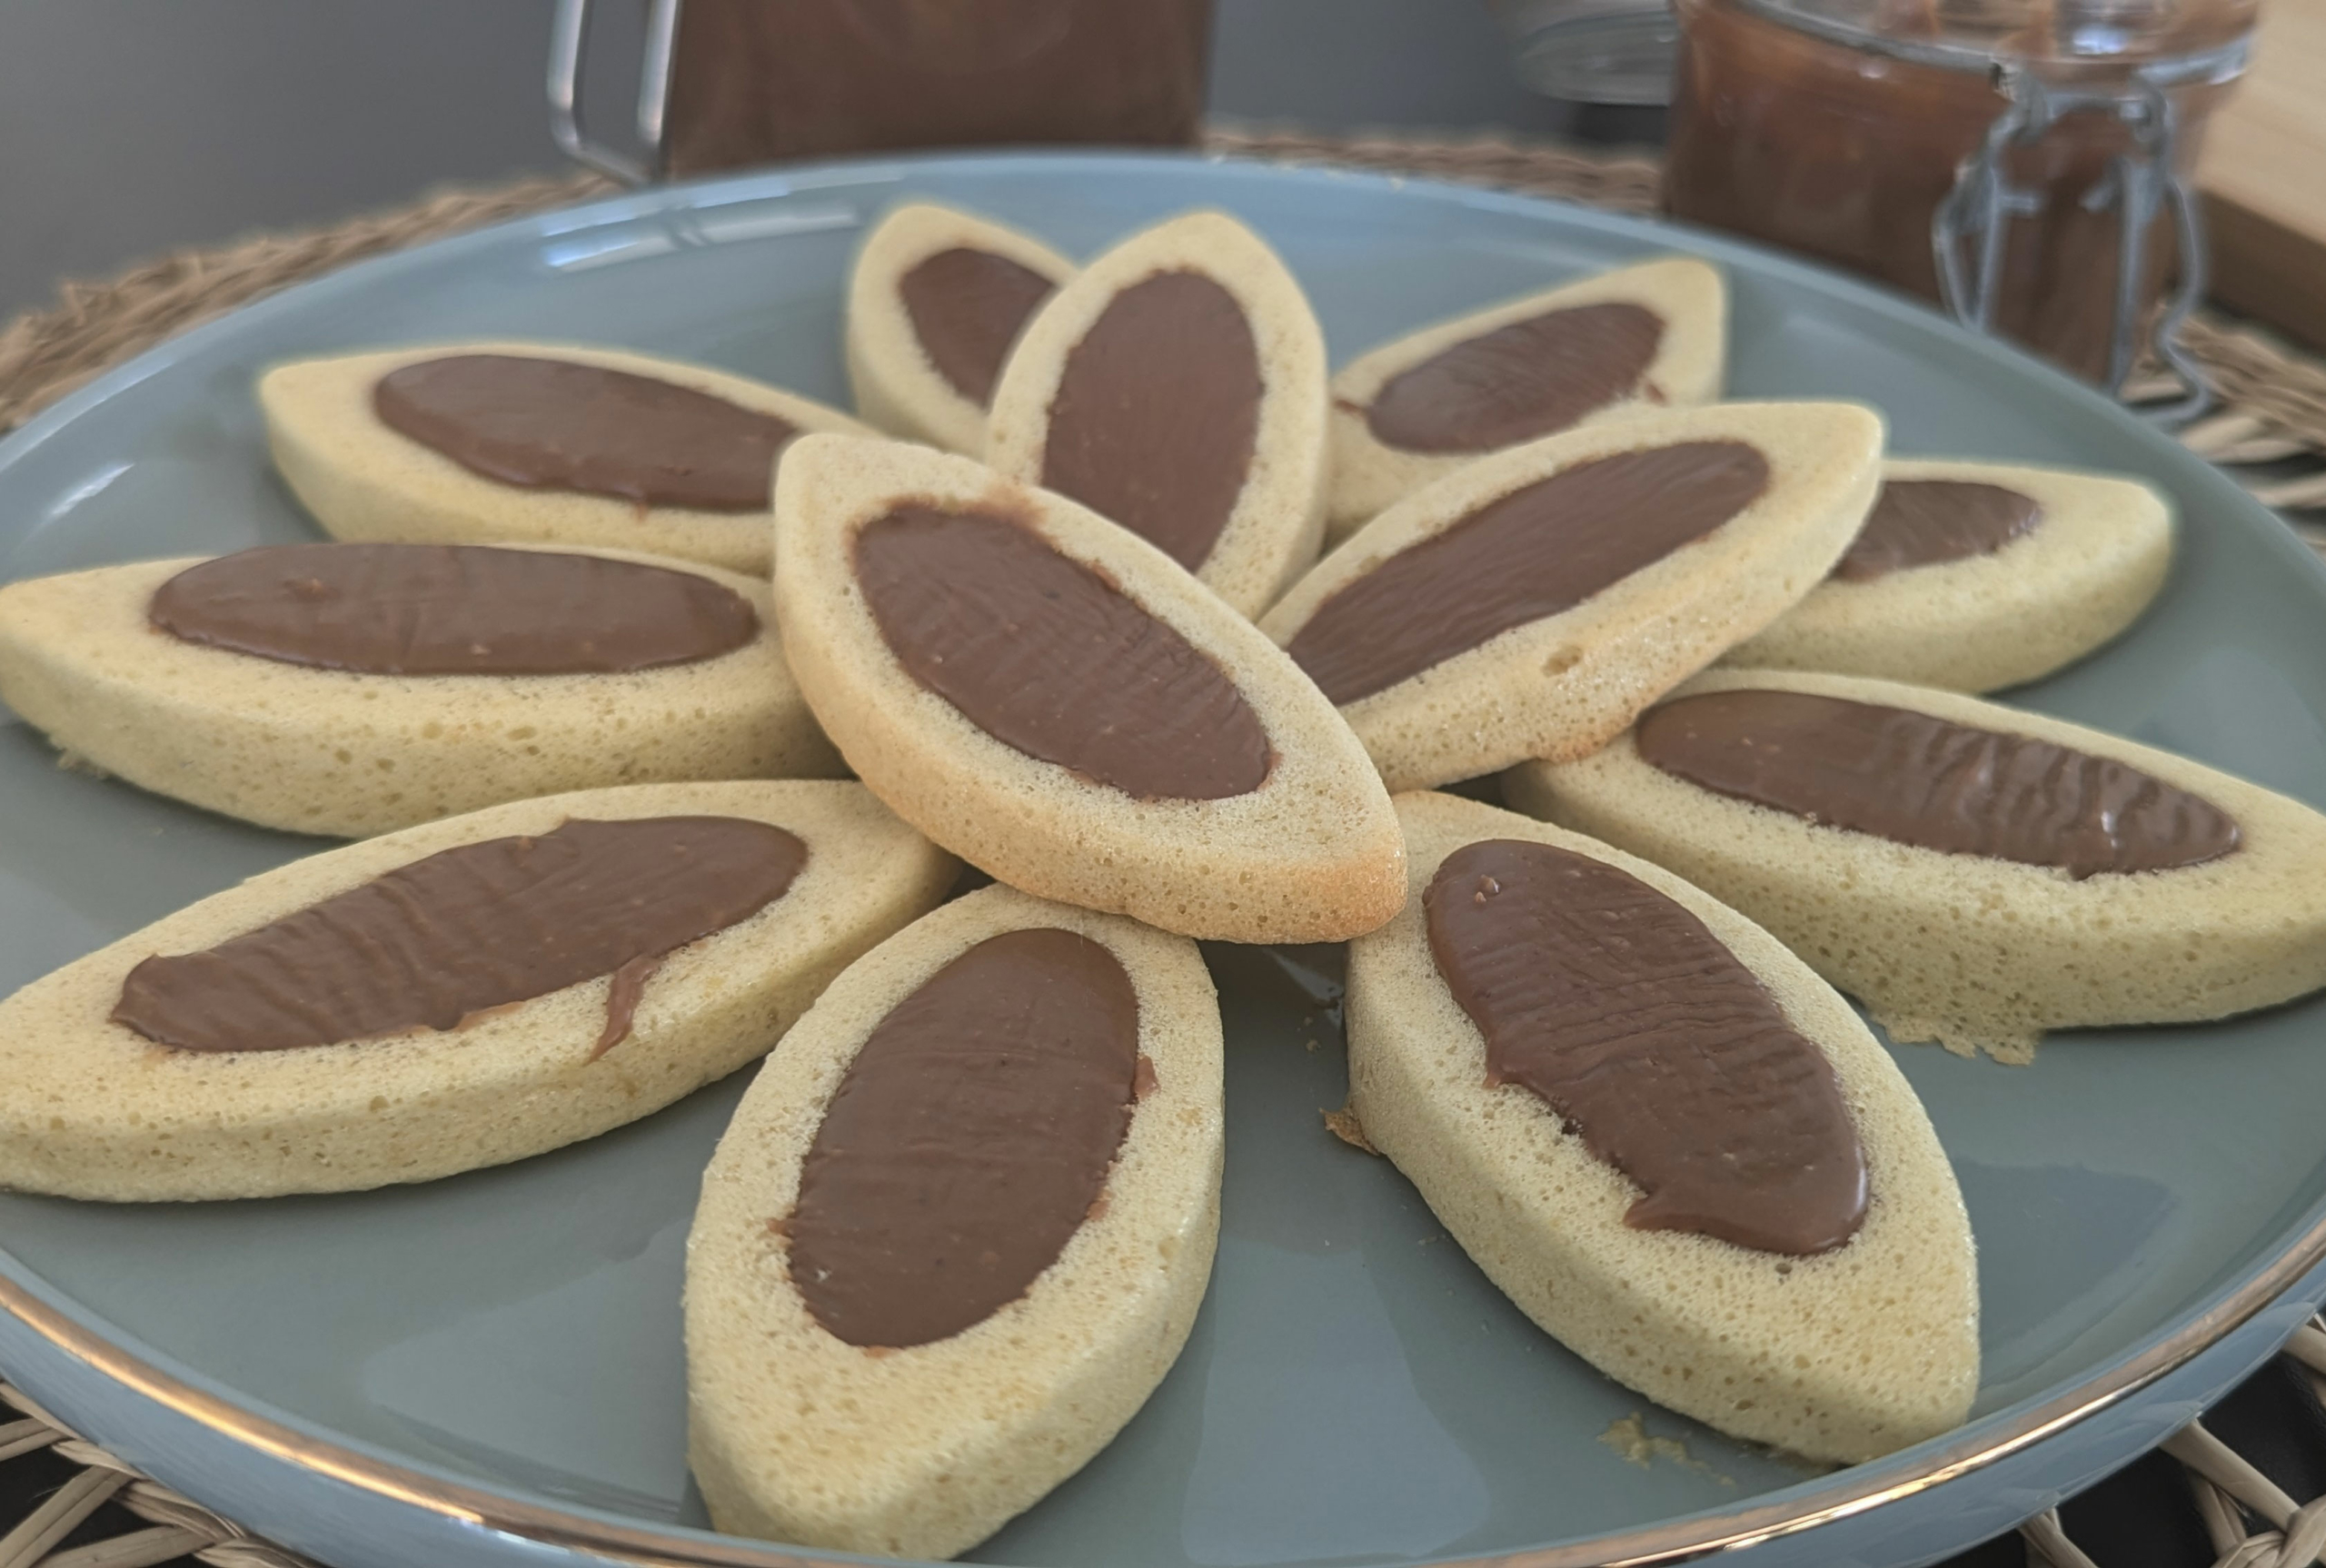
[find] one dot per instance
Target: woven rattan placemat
(86, 1509)
(2269, 428)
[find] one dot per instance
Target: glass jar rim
(2213, 63)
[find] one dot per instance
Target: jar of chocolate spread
(2023, 161)
(732, 82)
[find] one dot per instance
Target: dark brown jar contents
(1045, 656)
(751, 82)
(1534, 552)
(450, 609)
(1913, 779)
(967, 306)
(556, 424)
(1653, 1043)
(1514, 384)
(1844, 155)
(1157, 412)
(968, 1141)
(1930, 521)
(468, 929)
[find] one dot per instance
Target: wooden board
(2263, 174)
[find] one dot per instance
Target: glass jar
(2024, 162)
(725, 83)
(751, 82)
(1591, 50)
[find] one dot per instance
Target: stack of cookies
(676, 702)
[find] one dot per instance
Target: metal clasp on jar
(2141, 183)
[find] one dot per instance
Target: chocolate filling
(1516, 383)
(965, 306)
(1652, 1042)
(1045, 655)
(468, 929)
(1531, 554)
(1925, 522)
(1917, 780)
(450, 609)
(1157, 414)
(968, 1141)
(556, 424)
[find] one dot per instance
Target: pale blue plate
(487, 1370)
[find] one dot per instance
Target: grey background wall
(131, 126)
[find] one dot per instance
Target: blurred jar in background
(752, 80)
(1591, 50)
(2039, 142)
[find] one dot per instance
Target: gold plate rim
(1668, 1542)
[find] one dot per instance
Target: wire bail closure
(2139, 183)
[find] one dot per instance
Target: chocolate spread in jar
(967, 306)
(751, 82)
(468, 929)
(1518, 382)
(1157, 414)
(968, 1141)
(1917, 780)
(1533, 553)
(450, 609)
(1844, 153)
(1046, 656)
(1652, 1042)
(1930, 521)
(558, 424)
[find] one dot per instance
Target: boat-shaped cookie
(355, 688)
(1644, 337)
(1177, 386)
(1978, 575)
(935, 299)
(1671, 1143)
(1975, 874)
(536, 444)
(1531, 604)
(957, 1230)
(456, 994)
(1055, 700)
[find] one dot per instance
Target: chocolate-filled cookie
(935, 299)
(1978, 575)
(1673, 1146)
(536, 444)
(454, 996)
(1176, 387)
(356, 688)
(1056, 701)
(1413, 410)
(1532, 603)
(1973, 873)
(957, 1230)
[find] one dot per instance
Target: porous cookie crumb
(1343, 1124)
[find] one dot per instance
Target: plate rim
(309, 1445)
